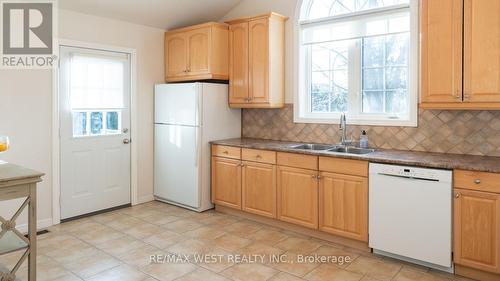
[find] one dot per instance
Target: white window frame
(302, 105)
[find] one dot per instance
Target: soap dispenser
(363, 140)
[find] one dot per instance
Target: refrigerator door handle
(196, 147)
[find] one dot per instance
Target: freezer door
(177, 161)
(178, 104)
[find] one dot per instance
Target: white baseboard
(40, 225)
(145, 198)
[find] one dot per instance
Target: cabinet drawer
(297, 160)
(479, 181)
(256, 155)
(344, 166)
(226, 151)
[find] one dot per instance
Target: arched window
(359, 57)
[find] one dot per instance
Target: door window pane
(112, 122)
(96, 124)
(79, 123)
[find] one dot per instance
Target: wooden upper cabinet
(441, 51)
(226, 182)
(477, 230)
(298, 196)
(176, 56)
(343, 205)
(460, 54)
(197, 40)
(197, 52)
(259, 189)
(257, 61)
(238, 63)
(482, 51)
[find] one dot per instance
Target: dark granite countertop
(400, 157)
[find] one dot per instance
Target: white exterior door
(94, 103)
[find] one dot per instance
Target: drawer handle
(477, 181)
(258, 156)
(225, 152)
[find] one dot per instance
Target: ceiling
(165, 14)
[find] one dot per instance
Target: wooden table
(19, 182)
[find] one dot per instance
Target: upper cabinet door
(198, 46)
(258, 54)
(238, 63)
(441, 51)
(481, 50)
(176, 55)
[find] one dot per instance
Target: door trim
(56, 143)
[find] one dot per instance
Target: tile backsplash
(463, 132)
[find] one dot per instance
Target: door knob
(126, 141)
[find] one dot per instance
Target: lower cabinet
(477, 230)
(343, 205)
(259, 189)
(226, 182)
(298, 196)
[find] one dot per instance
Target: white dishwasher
(410, 214)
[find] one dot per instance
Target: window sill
(352, 121)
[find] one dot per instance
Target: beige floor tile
(231, 242)
(140, 256)
(374, 267)
(332, 273)
(160, 218)
(182, 225)
(168, 271)
(47, 269)
(223, 262)
(121, 245)
(124, 223)
(67, 254)
(55, 241)
(100, 235)
(107, 217)
(283, 276)
(268, 236)
(219, 220)
(143, 230)
(205, 232)
(191, 247)
(257, 248)
(342, 258)
(138, 211)
(249, 272)
(298, 245)
(293, 265)
(90, 265)
(164, 239)
(119, 273)
(202, 274)
(243, 228)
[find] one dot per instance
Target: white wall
(26, 103)
(284, 7)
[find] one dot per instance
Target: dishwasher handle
(408, 177)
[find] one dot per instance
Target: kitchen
(289, 129)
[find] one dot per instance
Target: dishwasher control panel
(411, 172)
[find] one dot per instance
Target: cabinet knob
(225, 152)
(457, 94)
(457, 195)
(314, 176)
(477, 181)
(318, 177)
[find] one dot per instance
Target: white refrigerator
(187, 117)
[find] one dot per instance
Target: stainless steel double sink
(333, 148)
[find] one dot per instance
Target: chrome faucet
(343, 126)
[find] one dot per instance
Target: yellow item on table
(3, 147)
